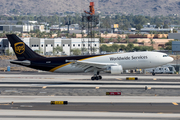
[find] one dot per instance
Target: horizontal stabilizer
(25, 62)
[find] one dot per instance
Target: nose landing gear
(153, 73)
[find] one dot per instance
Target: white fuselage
(132, 60)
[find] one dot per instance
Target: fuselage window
(165, 55)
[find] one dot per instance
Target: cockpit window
(165, 55)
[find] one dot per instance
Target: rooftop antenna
(68, 23)
(90, 20)
(59, 23)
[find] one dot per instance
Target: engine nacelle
(116, 69)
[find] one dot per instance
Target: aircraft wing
(90, 66)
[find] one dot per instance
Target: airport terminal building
(45, 46)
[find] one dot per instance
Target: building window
(0, 45)
(88, 44)
(46, 45)
(57, 44)
(63, 45)
(41, 45)
(37, 45)
(94, 44)
(51, 45)
(32, 45)
(68, 44)
(83, 44)
(74, 45)
(79, 45)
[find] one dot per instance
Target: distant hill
(47, 7)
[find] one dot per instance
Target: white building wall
(57, 42)
(42, 45)
(66, 49)
(28, 28)
(75, 43)
(49, 48)
(26, 40)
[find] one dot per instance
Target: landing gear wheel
(96, 75)
(153, 74)
(97, 78)
(100, 77)
(92, 78)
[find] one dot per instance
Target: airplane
(86, 63)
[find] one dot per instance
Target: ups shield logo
(19, 47)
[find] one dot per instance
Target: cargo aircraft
(86, 63)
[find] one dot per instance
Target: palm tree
(94, 49)
(110, 39)
(151, 42)
(73, 35)
(84, 50)
(127, 39)
(76, 51)
(58, 33)
(67, 35)
(119, 39)
(106, 33)
(143, 42)
(102, 40)
(57, 50)
(135, 41)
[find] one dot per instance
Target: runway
(149, 97)
(97, 107)
(90, 99)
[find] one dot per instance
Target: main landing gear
(153, 73)
(96, 76)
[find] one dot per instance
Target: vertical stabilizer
(21, 50)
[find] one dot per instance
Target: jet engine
(116, 69)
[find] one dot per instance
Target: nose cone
(171, 59)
